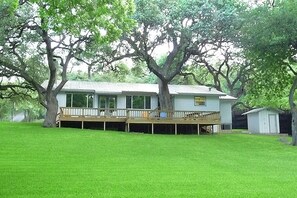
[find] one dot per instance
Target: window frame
(147, 104)
(199, 100)
(107, 101)
(87, 102)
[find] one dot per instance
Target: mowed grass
(39, 162)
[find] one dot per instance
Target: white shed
(263, 120)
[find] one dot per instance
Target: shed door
(272, 123)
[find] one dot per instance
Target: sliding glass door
(108, 103)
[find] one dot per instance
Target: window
(199, 100)
(138, 102)
(79, 100)
(109, 102)
(102, 101)
(128, 102)
(147, 102)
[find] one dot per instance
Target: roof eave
(79, 90)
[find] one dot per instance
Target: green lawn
(38, 162)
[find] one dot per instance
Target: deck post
(82, 124)
(104, 126)
(175, 129)
(152, 128)
(127, 127)
(59, 123)
(198, 129)
(211, 129)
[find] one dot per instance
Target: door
(272, 123)
(108, 103)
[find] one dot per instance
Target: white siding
(154, 102)
(95, 101)
(226, 112)
(264, 121)
(186, 103)
(253, 122)
(121, 102)
(61, 97)
(277, 124)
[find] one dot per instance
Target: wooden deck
(137, 116)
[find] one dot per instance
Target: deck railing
(92, 112)
(157, 114)
(137, 113)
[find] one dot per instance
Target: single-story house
(136, 104)
(263, 120)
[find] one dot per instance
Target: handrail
(137, 113)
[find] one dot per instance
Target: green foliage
(22, 100)
(83, 163)
(79, 75)
(150, 12)
(195, 19)
(269, 87)
(106, 21)
(270, 32)
(270, 42)
(31, 108)
(7, 7)
(118, 72)
(5, 109)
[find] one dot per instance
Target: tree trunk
(164, 96)
(294, 127)
(89, 72)
(51, 110)
(294, 112)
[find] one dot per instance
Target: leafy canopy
(270, 42)
(105, 20)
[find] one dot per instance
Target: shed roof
(262, 109)
(118, 88)
(227, 97)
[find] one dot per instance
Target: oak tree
(40, 38)
(177, 30)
